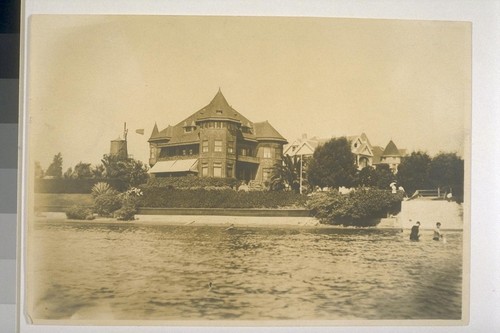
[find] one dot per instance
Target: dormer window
(189, 127)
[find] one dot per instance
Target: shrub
(79, 213)
(126, 213)
(106, 204)
(202, 198)
(102, 188)
(192, 182)
(359, 208)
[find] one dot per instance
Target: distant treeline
(62, 185)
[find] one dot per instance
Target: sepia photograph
(247, 170)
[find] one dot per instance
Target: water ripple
(206, 272)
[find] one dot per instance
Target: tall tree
(367, 177)
(333, 165)
(82, 170)
(55, 168)
(98, 171)
(132, 172)
(68, 174)
(286, 174)
(380, 177)
(446, 172)
(384, 176)
(413, 172)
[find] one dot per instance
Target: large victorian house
(216, 141)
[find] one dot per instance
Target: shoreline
(212, 220)
(195, 220)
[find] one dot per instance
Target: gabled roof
(305, 149)
(377, 154)
(304, 144)
(364, 150)
(301, 148)
(264, 131)
(164, 134)
(391, 150)
(217, 109)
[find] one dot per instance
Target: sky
(406, 81)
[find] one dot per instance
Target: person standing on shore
(437, 232)
(415, 234)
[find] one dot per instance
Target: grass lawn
(63, 199)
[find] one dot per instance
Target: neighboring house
(366, 154)
(216, 141)
(392, 156)
(303, 147)
(362, 149)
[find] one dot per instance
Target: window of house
(184, 152)
(210, 124)
(190, 151)
(204, 170)
(229, 170)
(188, 129)
(152, 152)
(204, 146)
(267, 152)
(218, 145)
(243, 151)
(218, 169)
(230, 147)
(218, 111)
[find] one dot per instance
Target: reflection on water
(88, 271)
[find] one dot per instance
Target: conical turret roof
(391, 150)
(219, 108)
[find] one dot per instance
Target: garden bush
(202, 198)
(362, 207)
(79, 213)
(126, 213)
(106, 204)
(102, 188)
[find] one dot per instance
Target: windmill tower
(119, 145)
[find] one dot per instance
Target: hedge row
(202, 198)
(74, 185)
(358, 208)
(192, 182)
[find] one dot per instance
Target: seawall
(226, 212)
(428, 212)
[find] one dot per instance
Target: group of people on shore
(415, 232)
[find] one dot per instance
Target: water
(155, 272)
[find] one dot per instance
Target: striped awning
(189, 165)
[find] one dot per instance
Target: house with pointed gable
(216, 141)
(365, 153)
(392, 156)
(362, 149)
(303, 147)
